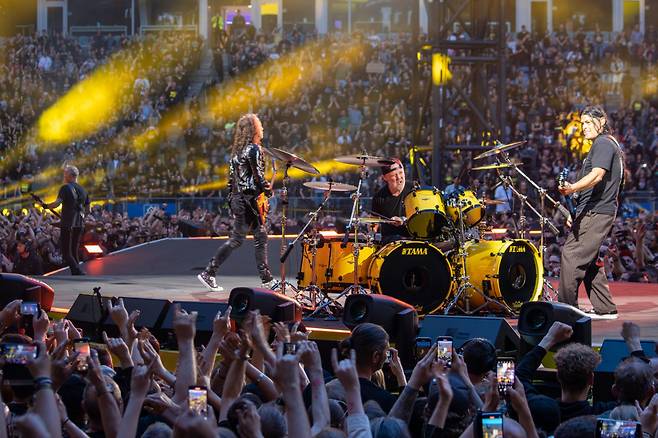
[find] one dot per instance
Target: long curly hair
(244, 132)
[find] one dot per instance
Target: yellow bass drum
(506, 270)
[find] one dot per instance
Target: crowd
(272, 381)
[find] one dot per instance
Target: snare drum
(416, 272)
(472, 210)
(425, 212)
(506, 270)
(334, 265)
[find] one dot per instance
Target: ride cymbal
(364, 160)
(292, 159)
(328, 185)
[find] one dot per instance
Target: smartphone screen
(505, 374)
(197, 397)
(491, 424)
(29, 308)
(18, 354)
(81, 346)
(608, 428)
(444, 349)
(289, 348)
(423, 345)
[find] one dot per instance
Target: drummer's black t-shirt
(385, 204)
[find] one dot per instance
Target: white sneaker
(273, 284)
(209, 282)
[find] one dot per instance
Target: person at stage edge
(245, 183)
(75, 204)
(597, 191)
(389, 202)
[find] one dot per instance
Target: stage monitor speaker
(536, 318)
(276, 306)
(463, 328)
(612, 352)
(19, 287)
(206, 312)
(86, 314)
(153, 312)
(396, 317)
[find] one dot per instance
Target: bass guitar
(568, 211)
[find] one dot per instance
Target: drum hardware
(363, 161)
(290, 160)
(312, 289)
(463, 280)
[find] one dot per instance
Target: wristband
(260, 378)
(40, 380)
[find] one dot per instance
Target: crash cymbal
(375, 220)
(498, 166)
(292, 159)
(364, 160)
(492, 201)
(328, 185)
(499, 149)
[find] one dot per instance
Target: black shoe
(78, 273)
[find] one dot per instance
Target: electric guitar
(568, 211)
(263, 201)
(44, 205)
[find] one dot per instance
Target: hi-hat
(364, 160)
(499, 149)
(497, 166)
(292, 159)
(375, 220)
(330, 185)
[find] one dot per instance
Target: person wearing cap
(389, 202)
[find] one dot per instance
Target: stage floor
(170, 267)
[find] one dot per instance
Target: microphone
(287, 253)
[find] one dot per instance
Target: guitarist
(246, 183)
(601, 180)
(75, 204)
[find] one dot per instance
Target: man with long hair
(597, 190)
(245, 183)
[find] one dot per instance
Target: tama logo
(414, 251)
(517, 249)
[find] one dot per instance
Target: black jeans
(245, 219)
(69, 242)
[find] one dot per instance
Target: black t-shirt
(73, 204)
(602, 198)
(385, 204)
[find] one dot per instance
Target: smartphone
(423, 345)
(18, 354)
(289, 348)
(609, 428)
(489, 424)
(81, 346)
(197, 399)
(30, 308)
(444, 349)
(505, 374)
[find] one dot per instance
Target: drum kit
(445, 267)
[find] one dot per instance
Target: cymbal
(492, 201)
(498, 166)
(375, 220)
(328, 185)
(364, 160)
(292, 159)
(498, 149)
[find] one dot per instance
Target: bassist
(245, 185)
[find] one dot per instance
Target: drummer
(389, 202)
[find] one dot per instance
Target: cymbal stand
(312, 288)
(284, 202)
(549, 293)
(355, 287)
(464, 280)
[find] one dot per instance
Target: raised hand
(40, 325)
(222, 323)
(118, 347)
(184, 324)
(345, 370)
